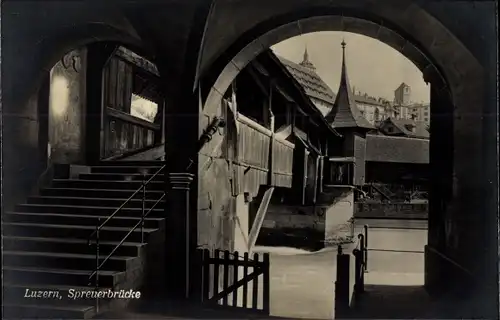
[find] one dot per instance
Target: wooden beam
(321, 173)
(316, 178)
(98, 55)
(259, 218)
(131, 119)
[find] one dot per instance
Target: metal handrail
(206, 136)
(144, 184)
(96, 232)
(125, 238)
(100, 226)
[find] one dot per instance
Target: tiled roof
(401, 85)
(367, 100)
(312, 83)
(397, 149)
(304, 100)
(315, 87)
(345, 113)
(421, 130)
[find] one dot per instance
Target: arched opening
(447, 95)
(63, 111)
(294, 217)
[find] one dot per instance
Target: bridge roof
(381, 148)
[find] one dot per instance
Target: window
(143, 108)
(390, 130)
(426, 113)
(426, 119)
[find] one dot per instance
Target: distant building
(404, 128)
(402, 95)
(373, 109)
(419, 112)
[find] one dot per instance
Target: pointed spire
(345, 113)
(305, 62)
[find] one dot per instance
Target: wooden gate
(227, 280)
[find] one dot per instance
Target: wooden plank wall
(122, 132)
(283, 163)
(253, 153)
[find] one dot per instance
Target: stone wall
(318, 223)
(47, 129)
(392, 210)
(241, 228)
(67, 108)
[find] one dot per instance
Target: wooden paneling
(123, 133)
(253, 144)
(282, 163)
(123, 137)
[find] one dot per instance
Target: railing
(367, 209)
(205, 137)
(359, 266)
(125, 133)
(350, 282)
(282, 162)
(235, 285)
(253, 144)
(96, 234)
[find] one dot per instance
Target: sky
(373, 67)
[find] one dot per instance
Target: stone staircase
(45, 241)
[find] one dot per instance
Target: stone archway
(456, 77)
(26, 63)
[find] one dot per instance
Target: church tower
(347, 119)
(305, 61)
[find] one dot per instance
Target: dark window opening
(250, 99)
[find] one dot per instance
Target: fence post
(266, 294)
(366, 248)
(205, 275)
(197, 279)
(359, 278)
(255, 283)
(342, 298)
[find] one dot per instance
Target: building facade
(374, 109)
(402, 95)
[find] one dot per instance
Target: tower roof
(402, 85)
(345, 112)
(305, 62)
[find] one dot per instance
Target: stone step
(70, 261)
(106, 184)
(75, 219)
(39, 311)
(99, 193)
(65, 245)
(100, 202)
(132, 163)
(60, 276)
(122, 176)
(73, 232)
(86, 210)
(124, 169)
